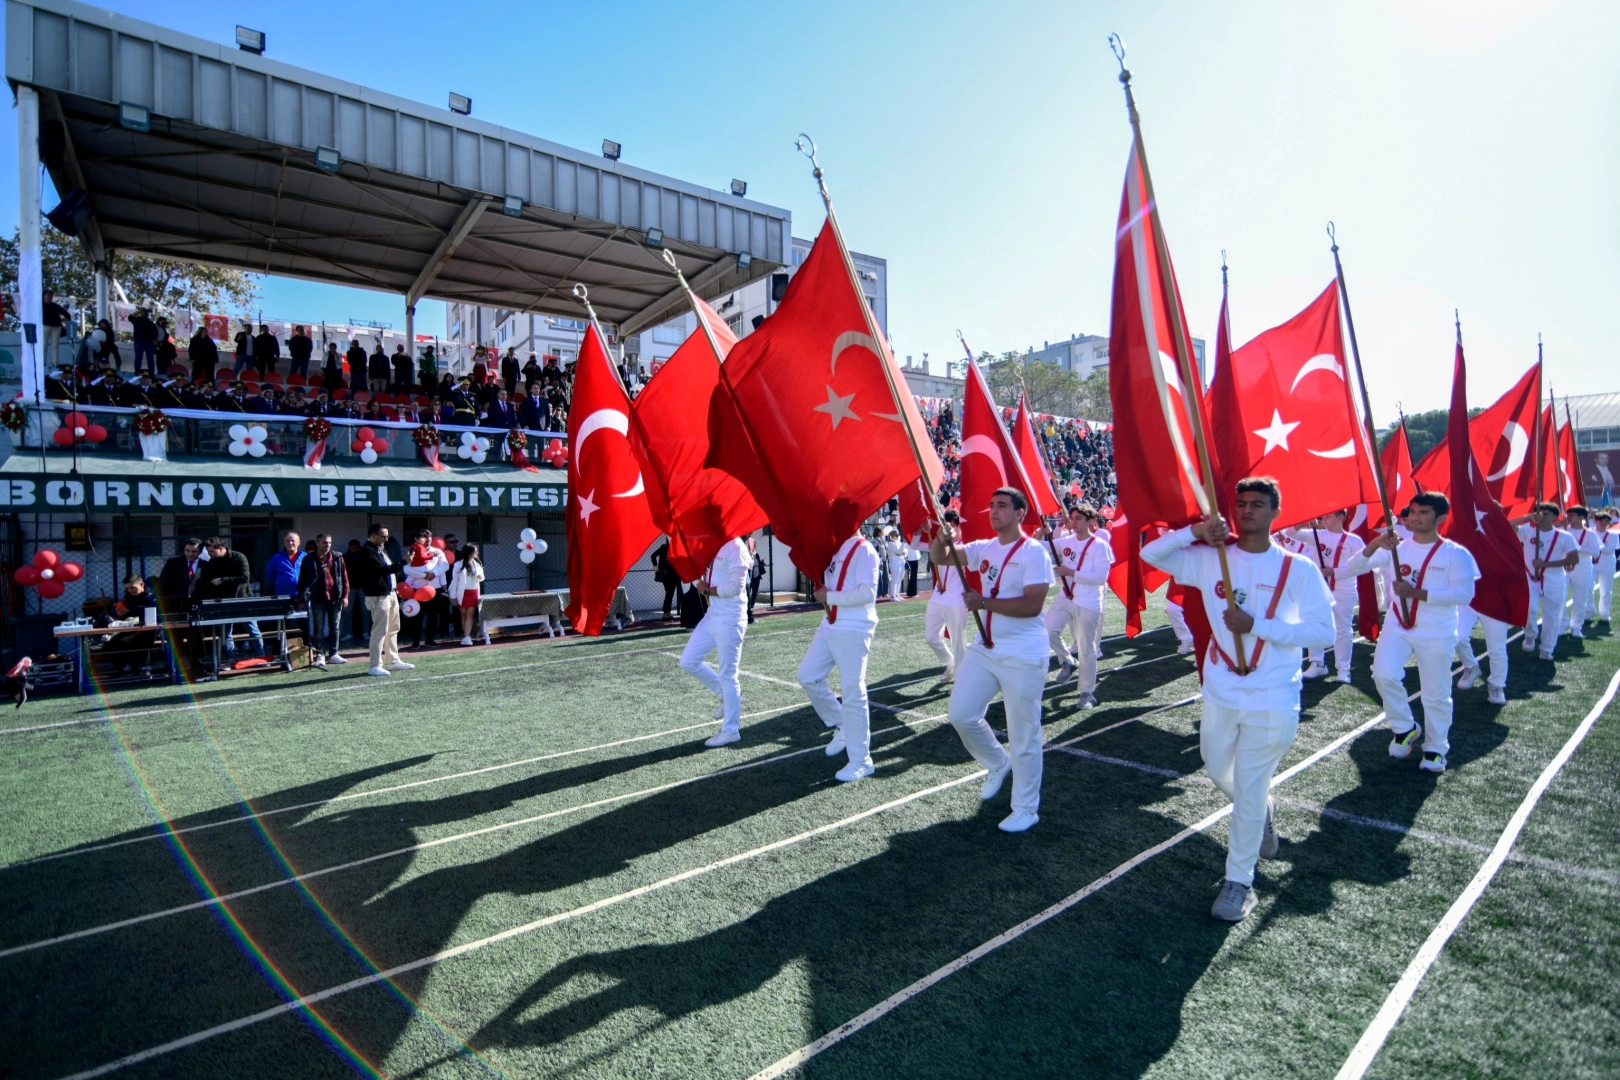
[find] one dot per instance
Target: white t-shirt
(856, 602)
(1014, 638)
(1090, 559)
(1448, 577)
(1607, 546)
(1589, 542)
(1303, 618)
(1333, 550)
(947, 581)
(728, 574)
(1554, 544)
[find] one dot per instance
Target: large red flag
(1228, 440)
(700, 508)
(1502, 437)
(1155, 458)
(805, 417)
(1569, 464)
(1283, 408)
(1478, 523)
(916, 513)
(989, 461)
(1043, 496)
(1395, 460)
(1125, 579)
(609, 523)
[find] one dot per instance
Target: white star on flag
(837, 408)
(1276, 433)
(586, 507)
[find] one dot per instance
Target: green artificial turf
(723, 971)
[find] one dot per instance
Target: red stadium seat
(362, 396)
(383, 398)
(297, 380)
(339, 395)
(388, 412)
(272, 378)
(177, 370)
(423, 400)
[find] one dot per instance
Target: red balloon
(26, 575)
(95, 433)
(62, 436)
(357, 446)
(75, 420)
(45, 558)
(405, 590)
(425, 593)
(69, 571)
(554, 446)
(379, 445)
(449, 556)
(365, 434)
(50, 590)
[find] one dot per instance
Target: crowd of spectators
(1080, 456)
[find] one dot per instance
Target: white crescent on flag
(612, 420)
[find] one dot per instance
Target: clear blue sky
(1467, 150)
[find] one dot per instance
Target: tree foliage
(1424, 431)
(162, 282)
(1051, 389)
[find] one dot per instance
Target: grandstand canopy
(227, 174)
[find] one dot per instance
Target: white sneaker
(1546, 656)
(400, 665)
(1268, 837)
(1435, 763)
(993, 782)
(1470, 676)
(319, 661)
(1529, 644)
(335, 658)
(836, 747)
(946, 679)
(722, 738)
(1497, 696)
(1403, 742)
(1018, 821)
(466, 641)
(1315, 671)
(852, 772)
(1343, 677)
(1065, 673)
(1087, 700)
(378, 671)
(1234, 903)
(1184, 648)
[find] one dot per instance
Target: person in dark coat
(266, 351)
(244, 348)
(233, 400)
(225, 576)
(531, 373)
(665, 575)
(378, 369)
(323, 583)
(499, 414)
(403, 370)
(197, 395)
(135, 393)
(357, 367)
(534, 412)
(204, 355)
(177, 577)
(300, 347)
(167, 354)
(145, 333)
(510, 369)
(332, 370)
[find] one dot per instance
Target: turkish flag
(805, 416)
(1125, 578)
(1043, 497)
(1569, 465)
(1477, 522)
(218, 326)
(1156, 462)
(916, 512)
(1502, 438)
(1395, 459)
(700, 508)
(609, 523)
(1283, 407)
(989, 460)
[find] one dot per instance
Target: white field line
(1372, 1040)
(894, 1001)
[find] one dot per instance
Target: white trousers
(1496, 635)
(721, 631)
(1433, 655)
(1178, 622)
(1241, 749)
(1085, 625)
(1580, 593)
(1546, 614)
(940, 619)
(1020, 683)
(1605, 589)
(846, 649)
(1344, 629)
(897, 577)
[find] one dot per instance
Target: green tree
(163, 282)
(1051, 389)
(1424, 431)
(1095, 404)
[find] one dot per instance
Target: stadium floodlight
(655, 238)
(461, 104)
(744, 260)
(512, 206)
(610, 149)
(250, 40)
(328, 159)
(739, 188)
(134, 117)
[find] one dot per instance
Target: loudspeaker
(72, 214)
(779, 284)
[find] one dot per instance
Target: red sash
(832, 609)
(1068, 583)
(1333, 571)
(1271, 613)
(995, 590)
(1407, 617)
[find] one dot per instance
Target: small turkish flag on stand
(609, 523)
(700, 508)
(1043, 499)
(806, 417)
(1502, 438)
(989, 460)
(1478, 523)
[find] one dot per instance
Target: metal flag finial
(1117, 45)
(669, 257)
(805, 145)
(583, 295)
(1333, 235)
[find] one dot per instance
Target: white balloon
(526, 535)
(237, 432)
(468, 438)
(540, 547)
(368, 455)
(465, 450)
(478, 457)
(257, 433)
(256, 449)
(410, 607)
(526, 556)
(238, 449)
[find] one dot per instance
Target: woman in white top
(894, 553)
(466, 581)
(1010, 658)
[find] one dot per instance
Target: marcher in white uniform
(894, 553)
(1249, 720)
(1082, 565)
(1588, 543)
(945, 620)
(1009, 659)
(1603, 568)
(1549, 554)
(1496, 651)
(1433, 578)
(1178, 625)
(843, 640)
(725, 584)
(1327, 545)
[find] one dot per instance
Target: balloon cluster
(76, 427)
(414, 597)
(473, 447)
(49, 573)
(247, 440)
(368, 445)
(555, 454)
(530, 545)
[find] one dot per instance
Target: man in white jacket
(945, 620)
(1083, 561)
(1549, 555)
(1433, 577)
(1588, 543)
(843, 640)
(1329, 546)
(1603, 566)
(1250, 717)
(721, 631)
(1010, 659)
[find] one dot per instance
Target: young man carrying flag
(1549, 553)
(1249, 720)
(1083, 562)
(1330, 548)
(725, 585)
(843, 640)
(1433, 577)
(1010, 658)
(1588, 544)
(947, 615)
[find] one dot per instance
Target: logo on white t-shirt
(1220, 591)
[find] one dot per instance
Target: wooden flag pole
(1361, 380)
(1190, 381)
(1537, 442)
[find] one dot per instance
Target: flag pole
(1189, 379)
(1361, 380)
(807, 146)
(1538, 451)
(1552, 433)
(1580, 484)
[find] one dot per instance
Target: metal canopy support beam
(665, 306)
(91, 238)
(447, 247)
